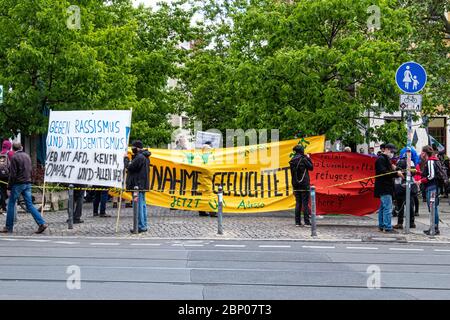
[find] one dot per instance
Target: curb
(394, 240)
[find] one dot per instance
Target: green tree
(312, 66)
(120, 58)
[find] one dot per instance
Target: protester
(5, 161)
(20, 184)
(417, 177)
(347, 149)
(384, 186)
(361, 151)
(415, 158)
(431, 175)
(443, 187)
(78, 200)
(100, 198)
(400, 194)
(422, 164)
(138, 176)
(300, 165)
(372, 152)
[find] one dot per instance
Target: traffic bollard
(313, 212)
(432, 225)
(219, 211)
(70, 207)
(135, 210)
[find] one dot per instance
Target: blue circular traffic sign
(411, 77)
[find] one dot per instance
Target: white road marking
(145, 244)
(404, 249)
(441, 250)
(66, 242)
(194, 245)
(230, 245)
(362, 248)
(319, 247)
(7, 239)
(37, 240)
(104, 244)
(274, 246)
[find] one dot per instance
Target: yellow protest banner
(253, 178)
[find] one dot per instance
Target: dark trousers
(424, 194)
(301, 200)
(78, 196)
(401, 203)
(416, 203)
(443, 189)
(100, 198)
(3, 195)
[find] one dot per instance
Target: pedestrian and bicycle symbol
(411, 77)
(410, 102)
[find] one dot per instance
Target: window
(184, 122)
(436, 129)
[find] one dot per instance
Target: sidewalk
(175, 224)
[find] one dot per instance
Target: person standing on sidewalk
(400, 194)
(430, 181)
(5, 161)
(100, 198)
(20, 184)
(300, 165)
(384, 186)
(138, 175)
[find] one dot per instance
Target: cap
(391, 147)
(138, 144)
(299, 149)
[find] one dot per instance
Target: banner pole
(43, 199)
(124, 179)
(120, 202)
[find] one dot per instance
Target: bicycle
(410, 99)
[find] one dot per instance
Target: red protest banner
(343, 183)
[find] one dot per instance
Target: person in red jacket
(430, 183)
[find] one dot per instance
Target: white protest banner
(87, 147)
(202, 137)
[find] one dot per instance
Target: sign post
(410, 77)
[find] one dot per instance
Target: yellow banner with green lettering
(253, 178)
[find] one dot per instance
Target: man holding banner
(138, 176)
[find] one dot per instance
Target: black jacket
(384, 185)
(400, 188)
(20, 169)
(300, 167)
(138, 171)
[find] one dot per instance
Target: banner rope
(115, 190)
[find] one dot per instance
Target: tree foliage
(312, 66)
(121, 58)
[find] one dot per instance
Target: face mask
(390, 155)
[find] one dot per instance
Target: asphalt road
(39, 268)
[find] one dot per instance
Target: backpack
(440, 173)
(4, 166)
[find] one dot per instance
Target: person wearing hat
(300, 165)
(400, 192)
(138, 176)
(384, 186)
